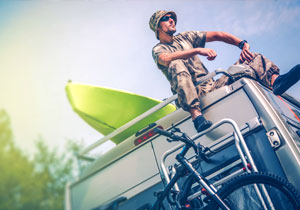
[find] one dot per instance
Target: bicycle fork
(210, 188)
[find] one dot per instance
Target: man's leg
(283, 82)
(260, 69)
(265, 70)
(268, 74)
(182, 84)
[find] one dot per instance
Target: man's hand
(246, 55)
(210, 53)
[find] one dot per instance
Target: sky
(43, 44)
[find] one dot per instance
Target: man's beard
(170, 33)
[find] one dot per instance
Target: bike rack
(239, 143)
(242, 149)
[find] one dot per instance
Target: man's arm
(230, 39)
(165, 58)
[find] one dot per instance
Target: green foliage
(53, 171)
(32, 184)
(15, 169)
(5, 130)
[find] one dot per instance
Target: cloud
(255, 18)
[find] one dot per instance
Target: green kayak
(107, 109)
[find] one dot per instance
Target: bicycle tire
(239, 192)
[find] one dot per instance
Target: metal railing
(129, 124)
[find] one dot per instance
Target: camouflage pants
(182, 82)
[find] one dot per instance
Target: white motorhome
(127, 176)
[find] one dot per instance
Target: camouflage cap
(155, 18)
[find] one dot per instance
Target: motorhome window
(296, 129)
(284, 107)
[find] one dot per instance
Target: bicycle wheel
(259, 190)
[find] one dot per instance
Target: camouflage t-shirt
(183, 41)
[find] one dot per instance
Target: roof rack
(129, 124)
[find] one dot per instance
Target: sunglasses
(166, 18)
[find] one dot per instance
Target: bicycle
(250, 190)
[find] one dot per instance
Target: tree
(33, 184)
(53, 171)
(16, 171)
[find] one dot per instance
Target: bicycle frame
(187, 166)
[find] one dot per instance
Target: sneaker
(201, 123)
(285, 81)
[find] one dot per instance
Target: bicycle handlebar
(188, 143)
(162, 132)
(170, 135)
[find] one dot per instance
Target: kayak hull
(107, 109)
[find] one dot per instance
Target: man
(176, 56)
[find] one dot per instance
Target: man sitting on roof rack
(176, 56)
